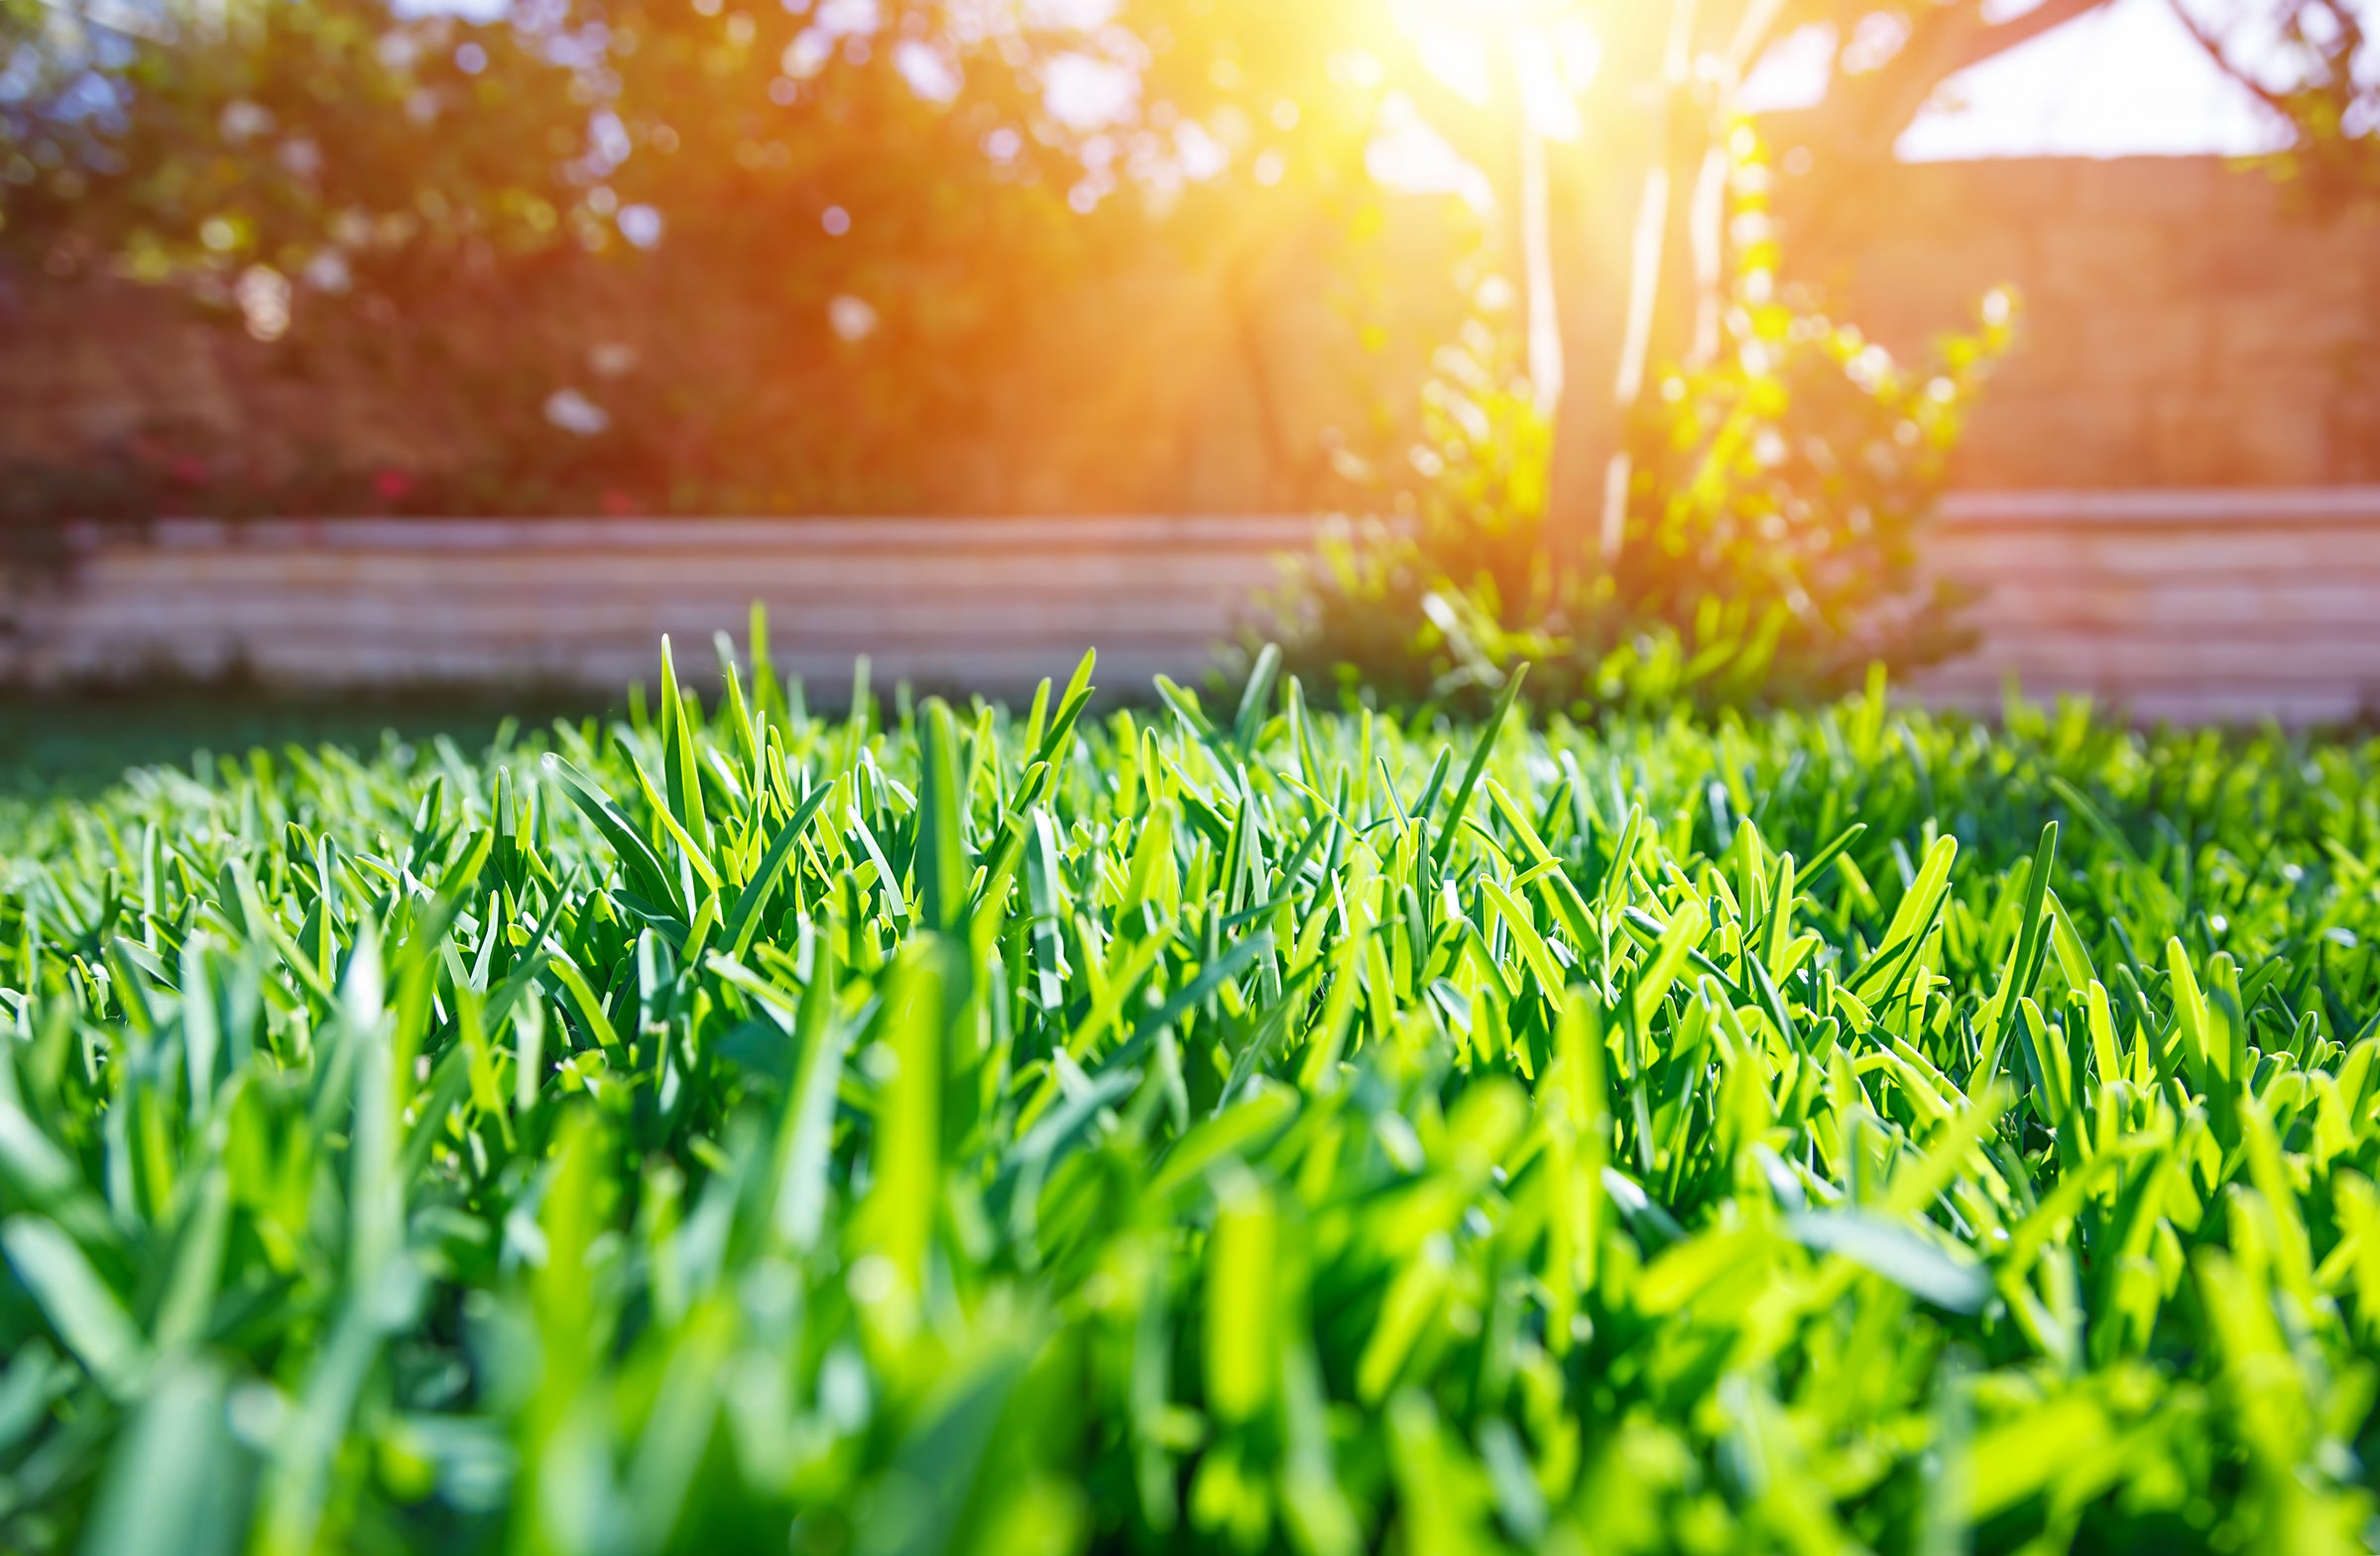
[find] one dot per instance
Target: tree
(242, 143)
(1619, 212)
(797, 240)
(2315, 65)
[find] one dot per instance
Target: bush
(1259, 1131)
(1770, 551)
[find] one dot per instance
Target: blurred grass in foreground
(1226, 1128)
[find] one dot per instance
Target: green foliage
(867, 214)
(1791, 477)
(777, 258)
(59, 744)
(1770, 548)
(270, 134)
(775, 271)
(1231, 1129)
(2311, 63)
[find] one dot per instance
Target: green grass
(79, 743)
(1246, 1129)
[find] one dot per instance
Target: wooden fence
(2218, 606)
(984, 604)
(2194, 606)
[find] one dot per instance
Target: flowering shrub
(1770, 546)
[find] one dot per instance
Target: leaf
(85, 1314)
(1482, 749)
(807, 1132)
(637, 857)
(1886, 1248)
(1240, 1331)
(744, 919)
(173, 1486)
(941, 863)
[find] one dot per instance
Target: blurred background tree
(1682, 446)
(600, 197)
(1603, 124)
(929, 175)
(714, 255)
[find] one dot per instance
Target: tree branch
(1867, 112)
(1471, 128)
(2214, 48)
(1753, 29)
(1992, 42)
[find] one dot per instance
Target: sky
(2124, 81)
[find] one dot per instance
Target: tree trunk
(1596, 208)
(1640, 209)
(1637, 252)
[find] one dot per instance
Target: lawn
(1246, 1127)
(76, 744)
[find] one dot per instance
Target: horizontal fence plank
(499, 621)
(2292, 607)
(989, 576)
(2137, 657)
(1005, 671)
(2276, 551)
(2227, 605)
(2163, 505)
(736, 537)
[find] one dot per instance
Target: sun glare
(1461, 40)
(1536, 54)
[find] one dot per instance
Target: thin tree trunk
(1548, 366)
(1527, 206)
(1595, 204)
(1707, 232)
(1637, 168)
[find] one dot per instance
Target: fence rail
(2196, 606)
(2186, 605)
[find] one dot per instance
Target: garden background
(1206, 283)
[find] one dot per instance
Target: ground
(1197, 1128)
